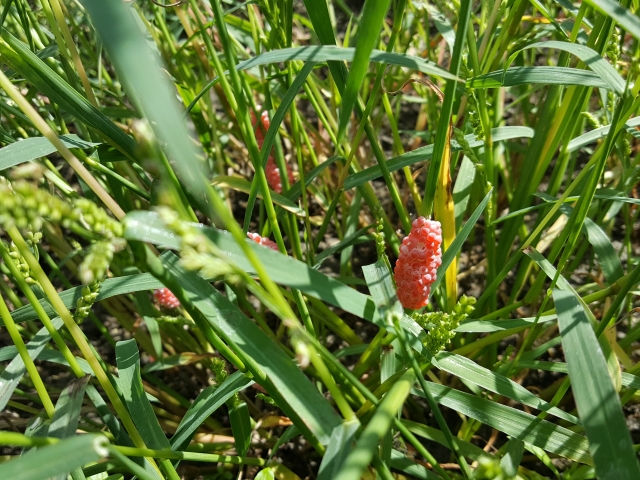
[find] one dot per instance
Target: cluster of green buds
(175, 320)
(379, 234)
(474, 116)
(464, 144)
(440, 326)
(613, 47)
(95, 264)
(591, 119)
(32, 239)
(24, 205)
(198, 253)
(85, 302)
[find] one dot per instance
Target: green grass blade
(139, 68)
(607, 256)
(14, 372)
(373, 14)
(516, 423)
(456, 245)
(590, 57)
(597, 134)
(467, 369)
(383, 289)
(241, 427)
(291, 389)
(487, 326)
(621, 15)
(65, 418)
(36, 147)
(130, 383)
(597, 401)
(270, 135)
(462, 189)
(341, 442)
(333, 54)
(367, 444)
(46, 462)
(425, 153)
(400, 461)
(443, 130)
(514, 76)
(50, 84)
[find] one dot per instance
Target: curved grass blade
(36, 147)
(270, 135)
(367, 444)
(487, 326)
(209, 400)
(516, 423)
(14, 372)
(242, 185)
(66, 455)
(291, 389)
(607, 256)
(596, 399)
(424, 153)
(333, 53)
(139, 69)
(590, 57)
(130, 383)
(400, 461)
(66, 416)
(538, 75)
(472, 372)
(597, 134)
(340, 445)
(621, 15)
(373, 15)
(241, 427)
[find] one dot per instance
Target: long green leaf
(607, 256)
(341, 443)
(130, 383)
(596, 399)
(538, 75)
(621, 15)
(46, 462)
(139, 67)
(516, 423)
(424, 153)
(292, 390)
(590, 57)
(36, 147)
(472, 372)
(367, 444)
(14, 372)
(332, 54)
(66, 416)
(456, 245)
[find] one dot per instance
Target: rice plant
(319, 239)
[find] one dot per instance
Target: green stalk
(59, 306)
(42, 315)
(433, 405)
(26, 359)
(447, 107)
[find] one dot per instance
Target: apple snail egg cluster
(418, 262)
